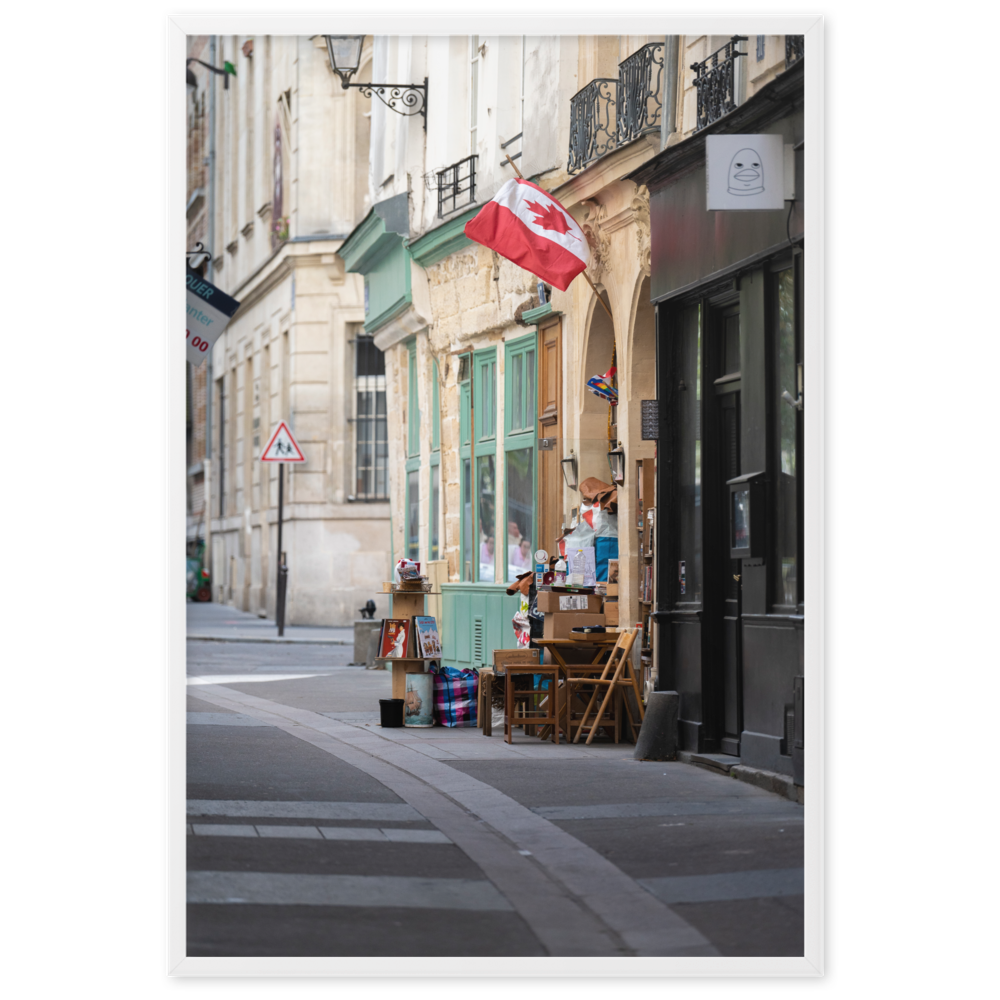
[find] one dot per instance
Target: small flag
(229, 67)
(528, 226)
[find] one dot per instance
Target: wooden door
(550, 444)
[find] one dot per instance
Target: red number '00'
(198, 344)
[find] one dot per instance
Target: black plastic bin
(392, 712)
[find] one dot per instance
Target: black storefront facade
(728, 291)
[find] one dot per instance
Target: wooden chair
(491, 682)
(539, 706)
(616, 675)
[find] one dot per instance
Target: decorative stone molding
(600, 246)
(640, 212)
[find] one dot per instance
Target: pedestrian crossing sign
(282, 447)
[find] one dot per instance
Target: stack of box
(611, 606)
(564, 612)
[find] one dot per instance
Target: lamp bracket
(406, 99)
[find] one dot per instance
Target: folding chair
(617, 674)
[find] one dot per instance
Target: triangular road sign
(282, 447)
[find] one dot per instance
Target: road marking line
(618, 916)
(195, 680)
(283, 889)
(298, 832)
(352, 833)
(403, 836)
(727, 886)
(742, 807)
(222, 830)
(385, 812)
(223, 719)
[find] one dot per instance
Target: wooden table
(604, 641)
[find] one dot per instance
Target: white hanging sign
(209, 311)
(744, 172)
(282, 447)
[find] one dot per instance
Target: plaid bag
(455, 696)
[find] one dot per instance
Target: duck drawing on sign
(746, 173)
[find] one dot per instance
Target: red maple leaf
(549, 217)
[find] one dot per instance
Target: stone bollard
(658, 733)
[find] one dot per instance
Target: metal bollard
(279, 611)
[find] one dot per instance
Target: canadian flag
(529, 227)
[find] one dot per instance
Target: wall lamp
(616, 459)
(569, 471)
(405, 99)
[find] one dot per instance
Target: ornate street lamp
(405, 99)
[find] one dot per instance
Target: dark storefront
(728, 293)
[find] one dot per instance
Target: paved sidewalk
(221, 623)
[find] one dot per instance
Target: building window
(760, 48)
(413, 406)
(519, 454)
(371, 452)
(473, 90)
(787, 536)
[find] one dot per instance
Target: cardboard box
(558, 624)
(612, 589)
(549, 602)
(611, 613)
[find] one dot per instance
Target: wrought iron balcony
(794, 50)
(640, 84)
(457, 186)
(715, 81)
(609, 113)
(593, 122)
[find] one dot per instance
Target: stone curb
(314, 642)
(770, 781)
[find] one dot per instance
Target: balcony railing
(457, 186)
(640, 84)
(610, 112)
(592, 122)
(715, 81)
(794, 48)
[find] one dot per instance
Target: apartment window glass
(486, 482)
(371, 462)
(435, 512)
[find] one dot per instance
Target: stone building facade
(290, 181)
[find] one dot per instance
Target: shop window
(689, 471)
(413, 406)
(484, 422)
(519, 454)
(413, 461)
(465, 468)
(786, 555)
(413, 514)
(434, 549)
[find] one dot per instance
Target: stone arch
(592, 443)
(637, 378)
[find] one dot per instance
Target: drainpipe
(668, 119)
(209, 384)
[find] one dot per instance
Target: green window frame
(411, 523)
(412, 405)
(477, 466)
(484, 462)
(467, 518)
(520, 452)
(434, 532)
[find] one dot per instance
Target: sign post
(281, 448)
